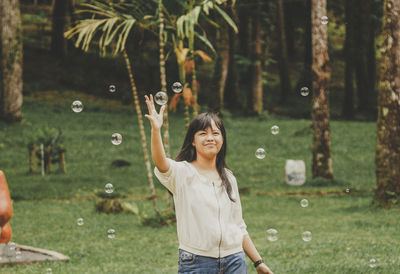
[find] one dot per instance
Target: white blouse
(208, 222)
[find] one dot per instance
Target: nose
(210, 136)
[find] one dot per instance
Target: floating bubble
(304, 91)
(177, 87)
(49, 270)
(111, 233)
(324, 20)
(109, 188)
(77, 106)
(161, 98)
(116, 139)
(112, 88)
(275, 130)
(306, 236)
(80, 221)
(260, 153)
(372, 263)
(304, 203)
(272, 235)
(347, 190)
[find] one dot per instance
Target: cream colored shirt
(208, 222)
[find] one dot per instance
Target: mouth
(210, 145)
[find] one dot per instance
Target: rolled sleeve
(168, 179)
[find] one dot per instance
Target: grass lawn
(347, 232)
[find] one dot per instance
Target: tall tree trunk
(221, 63)
(142, 133)
(306, 77)
(285, 84)
(363, 89)
(288, 10)
(163, 79)
(348, 102)
(232, 94)
(256, 87)
(245, 30)
(321, 149)
(60, 23)
(224, 65)
(371, 53)
(10, 61)
(387, 161)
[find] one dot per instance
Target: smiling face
(208, 142)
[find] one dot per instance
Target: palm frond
(113, 20)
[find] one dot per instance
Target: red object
(6, 210)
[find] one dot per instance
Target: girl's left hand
(263, 269)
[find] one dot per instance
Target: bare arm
(253, 254)
(157, 148)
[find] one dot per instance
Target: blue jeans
(190, 263)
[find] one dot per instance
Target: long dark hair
(188, 152)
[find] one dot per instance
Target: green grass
(347, 231)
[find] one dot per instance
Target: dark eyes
(204, 133)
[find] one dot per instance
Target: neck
(205, 163)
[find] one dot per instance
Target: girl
(211, 232)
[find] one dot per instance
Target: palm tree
(114, 22)
(186, 28)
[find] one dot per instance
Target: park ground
(347, 230)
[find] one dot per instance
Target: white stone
(295, 172)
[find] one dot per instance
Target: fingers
(148, 103)
(162, 110)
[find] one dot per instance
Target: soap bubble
(304, 91)
(18, 255)
(372, 263)
(272, 234)
(109, 188)
(304, 203)
(112, 88)
(260, 153)
(306, 236)
(77, 106)
(324, 20)
(116, 139)
(275, 130)
(80, 221)
(177, 87)
(161, 98)
(49, 270)
(111, 233)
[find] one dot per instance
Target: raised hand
(156, 119)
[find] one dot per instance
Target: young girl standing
(211, 232)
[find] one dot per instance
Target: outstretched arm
(157, 148)
(254, 256)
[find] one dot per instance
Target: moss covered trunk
(387, 159)
(321, 148)
(10, 61)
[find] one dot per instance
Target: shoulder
(183, 166)
(229, 172)
(230, 175)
